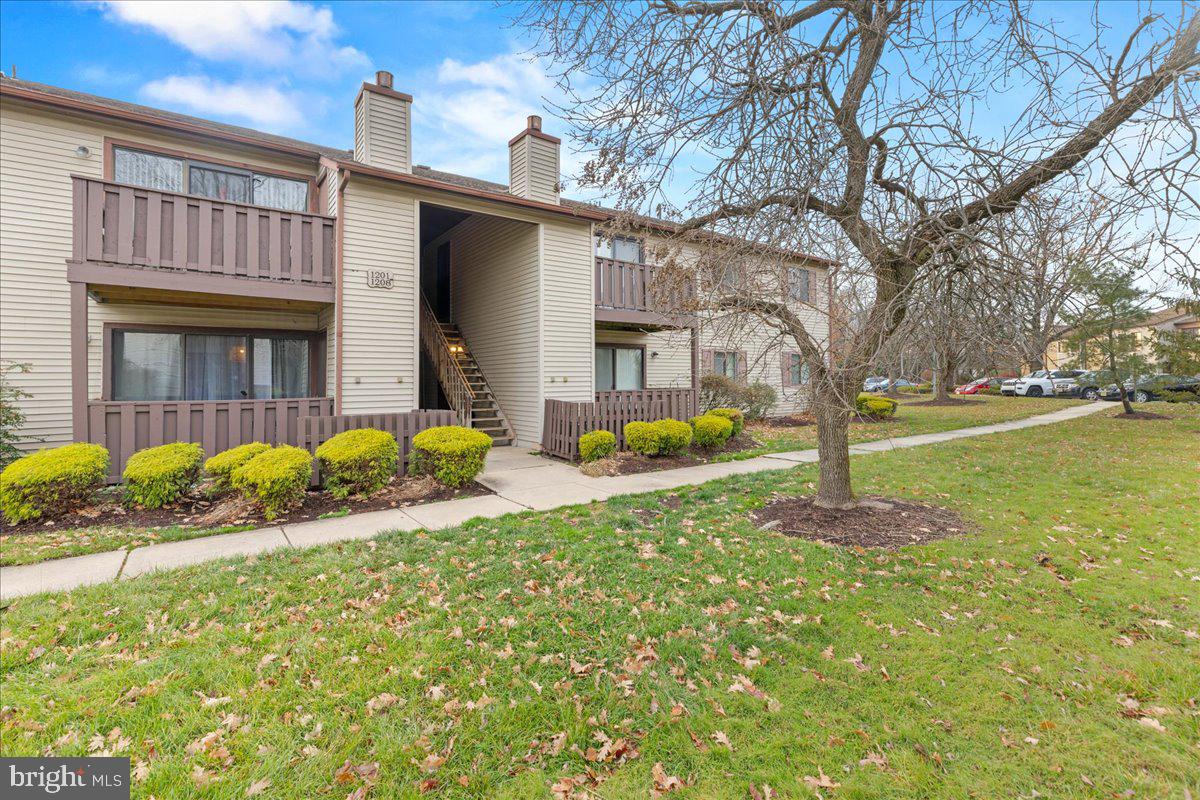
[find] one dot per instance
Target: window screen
(148, 169)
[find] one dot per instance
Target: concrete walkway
(521, 482)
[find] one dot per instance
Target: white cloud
(270, 32)
(468, 111)
(266, 106)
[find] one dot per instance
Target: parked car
(1091, 383)
(1047, 383)
(876, 383)
(1009, 386)
(978, 385)
(1151, 387)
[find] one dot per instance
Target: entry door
(442, 303)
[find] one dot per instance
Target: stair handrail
(450, 373)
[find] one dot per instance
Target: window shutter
(742, 366)
(706, 361)
(785, 367)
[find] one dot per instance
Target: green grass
(911, 419)
(1077, 594)
(30, 548)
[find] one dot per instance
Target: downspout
(339, 308)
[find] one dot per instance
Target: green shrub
(452, 454)
(711, 430)
(733, 415)
(643, 438)
(673, 436)
(1179, 397)
(596, 445)
(358, 462)
(920, 388)
(760, 399)
(222, 465)
(874, 406)
(276, 478)
(12, 417)
(160, 475)
(51, 481)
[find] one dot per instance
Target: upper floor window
(620, 248)
(799, 284)
(176, 174)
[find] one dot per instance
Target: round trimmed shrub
(52, 481)
(874, 406)
(710, 430)
(160, 475)
(733, 415)
(596, 445)
(276, 478)
(451, 453)
(358, 462)
(673, 436)
(222, 465)
(643, 438)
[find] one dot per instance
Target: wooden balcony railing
(125, 427)
(131, 226)
(622, 286)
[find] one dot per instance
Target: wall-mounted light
(654, 354)
(82, 151)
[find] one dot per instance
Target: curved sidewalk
(521, 482)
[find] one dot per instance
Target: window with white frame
(727, 363)
(620, 248)
(219, 182)
(795, 370)
(619, 368)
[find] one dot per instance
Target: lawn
(912, 418)
(661, 640)
(29, 548)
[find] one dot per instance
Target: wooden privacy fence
(404, 425)
(124, 427)
(119, 224)
(566, 421)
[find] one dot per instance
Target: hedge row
(666, 437)
(55, 481)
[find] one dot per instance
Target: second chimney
(383, 125)
(533, 163)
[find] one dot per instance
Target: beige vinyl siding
(568, 310)
(543, 170)
(383, 132)
(518, 160)
(379, 357)
(37, 158)
(101, 313)
(494, 286)
(671, 368)
(327, 321)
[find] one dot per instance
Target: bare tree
(862, 122)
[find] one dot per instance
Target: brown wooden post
(79, 362)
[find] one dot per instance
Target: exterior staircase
(462, 381)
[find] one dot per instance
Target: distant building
(1064, 353)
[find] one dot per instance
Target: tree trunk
(945, 376)
(833, 448)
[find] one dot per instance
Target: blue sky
(294, 67)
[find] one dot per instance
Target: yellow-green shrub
(276, 478)
(711, 430)
(358, 462)
(596, 445)
(452, 454)
(733, 415)
(222, 465)
(643, 437)
(874, 406)
(673, 436)
(51, 481)
(160, 475)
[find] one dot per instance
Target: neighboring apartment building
(168, 277)
(1062, 352)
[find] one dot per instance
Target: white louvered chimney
(533, 163)
(383, 125)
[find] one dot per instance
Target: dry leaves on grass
(663, 783)
(822, 781)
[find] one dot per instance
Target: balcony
(128, 239)
(626, 296)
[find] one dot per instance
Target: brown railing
(404, 425)
(566, 421)
(128, 225)
(450, 375)
(624, 286)
(126, 427)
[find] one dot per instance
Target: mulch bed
(1139, 415)
(876, 522)
(627, 463)
(199, 511)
